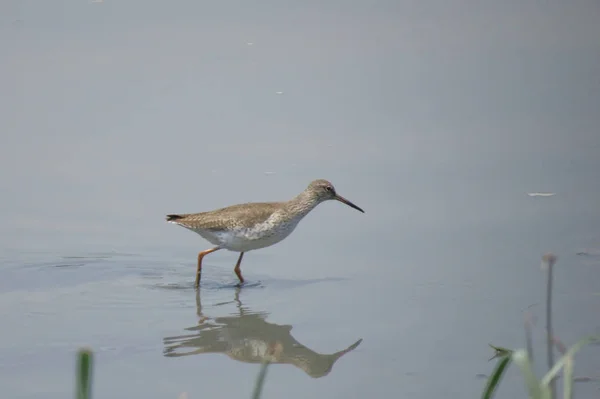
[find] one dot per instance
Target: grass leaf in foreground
(260, 381)
(568, 384)
(570, 354)
(533, 385)
(494, 379)
(499, 351)
(84, 374)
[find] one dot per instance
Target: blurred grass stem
(550, 259)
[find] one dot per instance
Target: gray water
(436, 118)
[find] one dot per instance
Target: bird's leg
(201, 317)
(200, 256)
(237, 268)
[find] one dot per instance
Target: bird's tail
(171, 218)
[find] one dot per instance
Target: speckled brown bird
(246, 227)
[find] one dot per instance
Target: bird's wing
(226, 218)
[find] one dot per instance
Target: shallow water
(435, 125)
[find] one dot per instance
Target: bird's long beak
(345, 201)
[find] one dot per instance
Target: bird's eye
(328, 188)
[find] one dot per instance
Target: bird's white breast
(260, 235)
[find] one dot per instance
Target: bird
(254, 225)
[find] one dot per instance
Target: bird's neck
(302, 204)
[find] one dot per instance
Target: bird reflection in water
(247, 337)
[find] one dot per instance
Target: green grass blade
(568, 383)
(84, 374)
(495, 377)
(260, 381)
(570, 354)
(500, 351)
(533, 385)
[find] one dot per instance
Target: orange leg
(199, 270)
(237, 268)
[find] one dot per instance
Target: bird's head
(323, 190)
